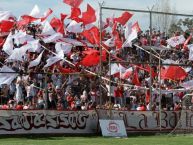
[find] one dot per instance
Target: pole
(110, 77)
(150, 60)
(100, 48)
(160, 94)
(46, 92)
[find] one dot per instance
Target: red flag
(118, 41)
(2, 41)
(6, 26)
(73, 3)
(65, 70)
(63, 17)
(148, 69)
(75, 13)
(114, 29)
(92, 35)
(47, 14)
(147, 96)
(90, 51)
(89, 16)
(173, 73)
(57, 25)
(135, 80)
(123, 18)
(28, 19)
(93, 59)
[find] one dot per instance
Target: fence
(153, 54)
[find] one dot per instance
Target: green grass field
(136, 140)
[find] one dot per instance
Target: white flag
(7, 78)
(74, 42)
(74, 27)
(33, 46)
(52, 60)
(188, 84)
(169, 61)
(62, 46)
(21, 37)
(5, 15)
(116, 68)
(174, 41)
(35, 12)
(47, 29)
(53, 38)
(128, 30)
(36, 61)
(110, 42)
(18, 54)
(8, 45)
(190, 47)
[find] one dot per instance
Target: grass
(134, 140)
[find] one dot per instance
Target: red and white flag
(174, 41)
(133, 35)
(127, 73)
(46, 14)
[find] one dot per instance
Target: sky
(19, 7)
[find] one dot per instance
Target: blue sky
(19, 7)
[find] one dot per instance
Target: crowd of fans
(42, 87)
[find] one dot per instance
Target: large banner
(139, 121)
(31, 122)
(86, 122)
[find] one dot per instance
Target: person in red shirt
(19, 106)
(118, 93)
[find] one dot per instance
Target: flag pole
(100, 48)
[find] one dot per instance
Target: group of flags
(83, 23)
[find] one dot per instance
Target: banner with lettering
(45, 121)
(139, 121)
